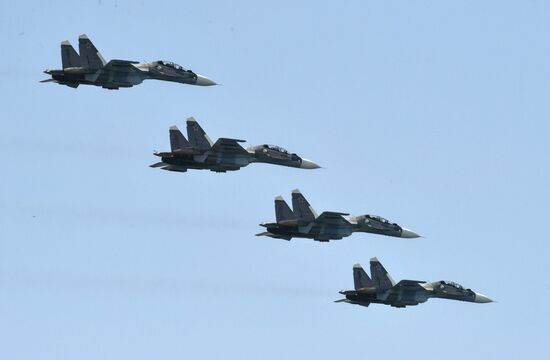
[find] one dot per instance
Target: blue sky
(432, 114)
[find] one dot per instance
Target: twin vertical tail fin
(197, 136)
(282, 210)
(89, 55)
(177, 140)
(198, 140)
(302, 208)
(360, 278)
(69, 56)
(380, 276)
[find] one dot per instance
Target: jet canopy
(378, 218)
(172, 65)
(277, 148)
(266, 147)
(453, 284)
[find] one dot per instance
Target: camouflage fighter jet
(90, 68)
(381, 289)
(199, 152)
(302, 221)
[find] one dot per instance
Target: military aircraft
(199, 152)
(382, 289)
(90, 68)
(302, 221)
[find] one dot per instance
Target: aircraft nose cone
(308, 164)
(406, 233)
(482, 299)
(204, 81)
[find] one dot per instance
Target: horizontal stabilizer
(69, 84)
(275, 236)
(265, 233)
(174, 168)
(159, 164)
(348, 301)
(168, 167)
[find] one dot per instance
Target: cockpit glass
(379, 218)
(455, 285)
(277, 148)
(172, 65)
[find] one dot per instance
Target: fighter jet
(381, 289)
(302, 221)
(90, 68)
(199, 152)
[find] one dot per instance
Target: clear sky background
(432, 114)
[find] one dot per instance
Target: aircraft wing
(409, 285)
(118, 65)
(331, 218)
(229, 146)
